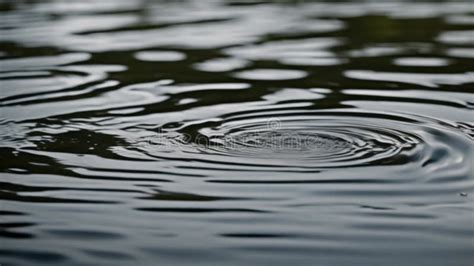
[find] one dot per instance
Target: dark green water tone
(236, 133)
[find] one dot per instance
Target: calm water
(236, 133)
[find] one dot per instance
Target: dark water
(236, 133)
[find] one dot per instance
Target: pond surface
(236, 133)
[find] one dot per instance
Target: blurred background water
(236, 132)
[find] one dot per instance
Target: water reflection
(236, 132)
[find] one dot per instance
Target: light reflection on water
(236, 133)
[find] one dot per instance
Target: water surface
(236, 132)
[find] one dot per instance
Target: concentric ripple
(314, 140)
